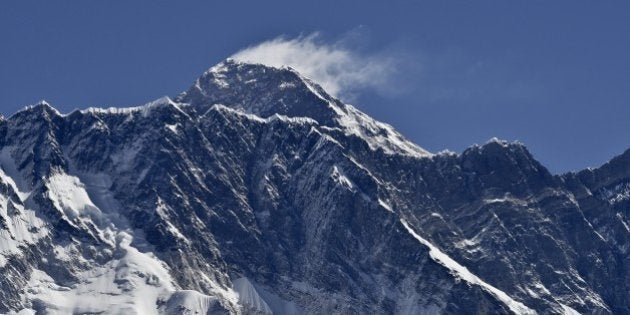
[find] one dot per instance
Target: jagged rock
(256, 192)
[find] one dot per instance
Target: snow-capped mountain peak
(256, 192)
(264, 91)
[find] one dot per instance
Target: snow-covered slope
(255, 192)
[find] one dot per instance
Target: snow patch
(463, 273)
(192, 302)
(249, 297)
(68, 194)
(377, 134)
(623, 222)
(505, 199)
(172, 128)
(131, 284)
(134, 282)
(275, 117)
(385, 205)
(144, 110)
(616, 194)
(11, 175)
(340, 178)
(161, 210)
(568, 310)
(286, 85)
(22, 227)
(218, 75)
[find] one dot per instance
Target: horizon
(551, 76)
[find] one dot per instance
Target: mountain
(256, 192)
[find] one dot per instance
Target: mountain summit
(267, 91)
(256, 192)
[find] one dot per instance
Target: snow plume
(339, 69)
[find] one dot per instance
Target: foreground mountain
(256, 192)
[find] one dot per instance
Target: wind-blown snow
(338, 69)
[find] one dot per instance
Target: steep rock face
(604, 197)
(256, 192)
(262, 91)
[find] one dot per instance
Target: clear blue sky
(552, 74)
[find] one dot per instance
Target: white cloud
(341, 71)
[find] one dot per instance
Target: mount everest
(256, 192)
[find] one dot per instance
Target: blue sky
(447, 74)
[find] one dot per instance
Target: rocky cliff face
(256, 192)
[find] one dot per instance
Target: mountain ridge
(197, 200)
